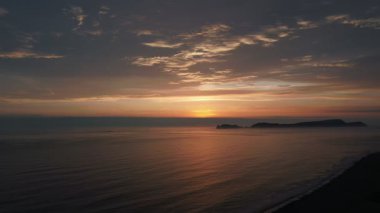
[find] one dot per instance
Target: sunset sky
(193, 58)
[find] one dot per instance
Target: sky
(190, 58)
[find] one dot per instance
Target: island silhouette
(321, 123)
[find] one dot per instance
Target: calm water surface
(192, 169)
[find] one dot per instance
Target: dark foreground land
(356, 190)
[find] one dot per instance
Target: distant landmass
(323, 123)
(228, 126)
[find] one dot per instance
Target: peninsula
(322, 123)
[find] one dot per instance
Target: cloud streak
(22, 54)
(361, 23)
(143, 32)
(304, 24)
(208, 45)
(162, 44)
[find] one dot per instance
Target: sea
(173, 168)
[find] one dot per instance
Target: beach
(355, 190)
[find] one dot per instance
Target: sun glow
(203, 113)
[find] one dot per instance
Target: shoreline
(344, 165)
(356, 187)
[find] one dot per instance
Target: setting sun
(204, 113)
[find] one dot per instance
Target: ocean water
(171, 169)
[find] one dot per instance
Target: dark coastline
(355, 190)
